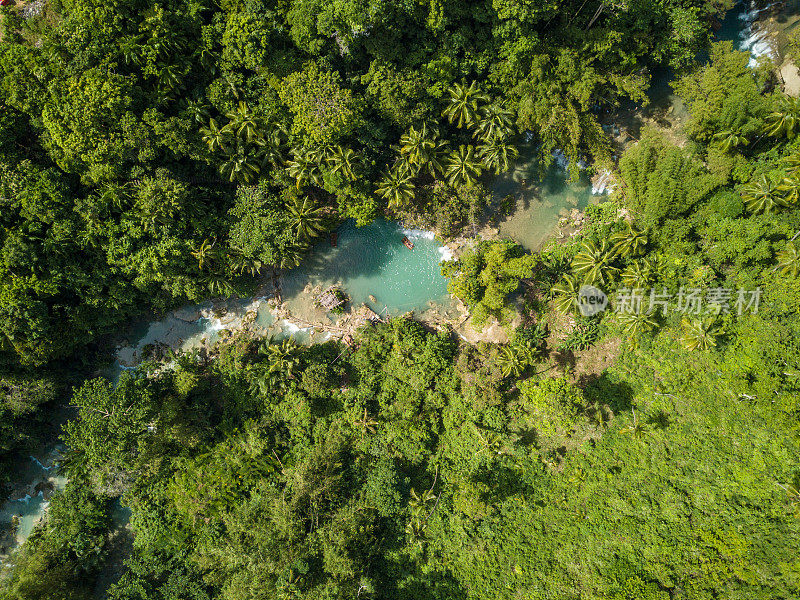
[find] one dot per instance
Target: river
(373, 267)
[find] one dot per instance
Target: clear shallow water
(37, 480)
(539, 206)
(372, 260)
(368, 261)
(741, 26)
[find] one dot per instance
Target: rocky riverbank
(27, 501)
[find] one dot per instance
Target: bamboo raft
(408, 243)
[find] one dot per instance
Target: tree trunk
(595, 17)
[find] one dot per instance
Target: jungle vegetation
(153, 156)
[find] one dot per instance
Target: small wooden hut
(331, 299)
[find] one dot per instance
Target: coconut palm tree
(593, 262)
(240, 167)
(629, 241)
(436, 157)
(262, 382)
(292, 256)
(462, 167)
(498, 154)
(789, 189)
(511, 361)
(321, 154)
(700, 334)
(116, 195)
(464, 104)
(131, 51)
(785, 119)
(492, 443)
(366, 424)
(397, 187)
(418, 503)
(792, 163)
(600, 414)
(243, 123)
(283, 358)
(215, 137)
(304, 168)
(218, 285)
(170, 80)
(729, 140)
(494, 122)
(271, 148)
(656, 263)
(762, 196)
(421, 149)
(565, 294)
(241, 263)
(207, 59)
(789, 259)
(196, 111)
(342, 161)
(415, 145)
(307, 218)
(637, 428)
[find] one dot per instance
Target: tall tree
(397, 187)
(465, 102)
(462, 166)
(307, 218)
(498, 155)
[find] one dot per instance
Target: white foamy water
(604, 183)
(27, 509)
(445, 253)
(38, 463)
(292, 328)
(756, 39)
(561, 159)
(418, 234)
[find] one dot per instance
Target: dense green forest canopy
(127, 127)
(152, 156)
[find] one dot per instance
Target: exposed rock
(33, 9)
(46, 488)
(791, 79)
(187, 313)
(20, 493)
